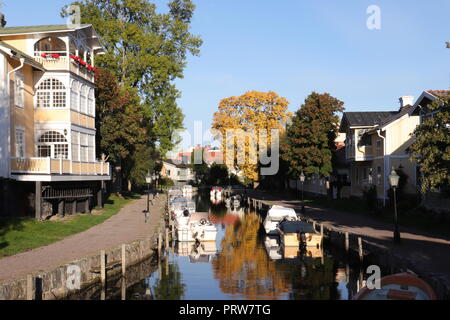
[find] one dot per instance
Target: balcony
(48, 169)
(64, 62)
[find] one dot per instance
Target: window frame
(55, 86)
(16, 144)
(19, 90)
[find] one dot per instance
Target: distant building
(181, 174)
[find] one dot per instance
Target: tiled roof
(397, 115)
(367, 119)
(439, 93)
(28, 59)
(37, 29)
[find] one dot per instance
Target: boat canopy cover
(296, 227)
(278, 213)
(178, 200)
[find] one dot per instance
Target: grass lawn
(20, 235)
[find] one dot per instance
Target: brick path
(126, 226)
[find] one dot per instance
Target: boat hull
(294, 240)
(402, 286)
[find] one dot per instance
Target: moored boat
(195, 227)
(401, 286)
(294, 233)
(275, 215)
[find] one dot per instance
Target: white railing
(59, 167)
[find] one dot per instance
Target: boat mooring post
(124, 261)
(360, 246)
(321, 229)
(167, 239)
(159, 243)
(103, 267)
(314, 225)
(347, 242)
(30, 291)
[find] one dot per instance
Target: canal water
(244, 264)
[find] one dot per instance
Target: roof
(178, 165)
(40, 29)
(439, 93)
(405, 110)
(367, 119)
(19, 54)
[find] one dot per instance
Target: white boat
(273, 248)
(195, 227)
(200, 252)
(179, 206)
(216, 193)
(275, 215)
(187, 190)
(175, 193)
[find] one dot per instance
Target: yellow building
(377, 142)
(47, 115)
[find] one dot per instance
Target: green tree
(201, 170)
(431, 147)
(146, 50)
(309, 142)
(122, 134)
(218, 175)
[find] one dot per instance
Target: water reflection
(246, 264)
(169, 285)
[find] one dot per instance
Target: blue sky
(294, 47)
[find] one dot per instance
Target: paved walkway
(125, 227)
(429, 253)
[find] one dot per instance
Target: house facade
(180, 173)
(47, 129)
(376, 143)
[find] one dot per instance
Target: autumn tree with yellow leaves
(245, 123)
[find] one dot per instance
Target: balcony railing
(50, 166)
(65, 63)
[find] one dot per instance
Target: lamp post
(148, 179)
(302, 180)
(394, 179)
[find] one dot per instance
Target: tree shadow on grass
(8, 225)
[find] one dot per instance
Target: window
(53, 144)
(378, 144)
(51, 93)
(84, 147)
(19, 90)
(91, 151)
(378, 175)
(74, 93)
(50, 45)
(83, 100)
(91, 103)
(20, 143)
(75, 146)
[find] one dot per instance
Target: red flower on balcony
(44, 55)
(90, 67)
(56, 55)
(83, 63)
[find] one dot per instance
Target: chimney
(2, 20)
(406, 101)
